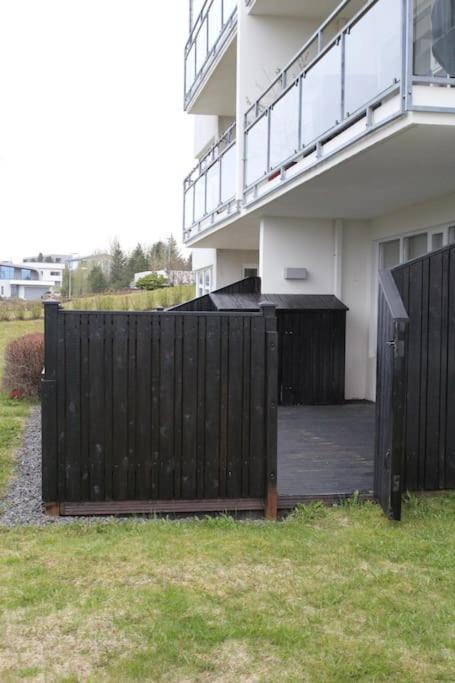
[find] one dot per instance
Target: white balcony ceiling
(311, 9)
(413, 164)
(217, 92)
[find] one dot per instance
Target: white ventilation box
(295, 273)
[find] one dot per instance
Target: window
(415, 246)
(6, 273)
(452, 234)
(203, 281)
(389, 254)
(437, 241)
(250, 271)
(55, 273)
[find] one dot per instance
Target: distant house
(28, 281)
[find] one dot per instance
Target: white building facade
(28, 281)
(325, 139)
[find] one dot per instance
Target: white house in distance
(50, 272)
(25, 281)
(325, 140)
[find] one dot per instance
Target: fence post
(49, 436)
(271, 415)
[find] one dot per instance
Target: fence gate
(390, 397)
(159, 411)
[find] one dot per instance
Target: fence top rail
(392, 296)
(221, 314)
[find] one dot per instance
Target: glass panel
(201, 47)
(284, 127)
(416, 246)
(452, 234)
(196, 6)
(321, 96)
(189, 197)
(199, 198)
(200, 283)
(437, 240)
(389, 254)
(6, 273)
(213, 187)
(256, 151)
(208, 280)
(228, 174)
(373, 54)
(190, 68)
(432, 24)
(229, 7)
(215, 26)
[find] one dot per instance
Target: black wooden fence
(390, 397)
(427, 287)
(159, 412)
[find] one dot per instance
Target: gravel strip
(21, 505)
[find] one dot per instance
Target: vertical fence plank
(200, 407)
(212, 408)
(155, 398)
(108, 405)
(271, 402)
(247, 380)
(234, 450)
(224, 433)
(189, 405)
(131, 406)
(143, 409)
(257, 414)
(96, 407)
(178, 413)
(120, 407)
(73, 406)
(450, 405)
(86, 417)
(49, 405)
(167, 406)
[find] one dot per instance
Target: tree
(119, 272)
(65, 282)
(96, 280)
(137, 262)
(157, 256)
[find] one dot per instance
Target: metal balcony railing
(338, 78)
(210, 189)
(211, 29)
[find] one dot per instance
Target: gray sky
(93, 140)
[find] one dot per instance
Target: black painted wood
(157, 406)
(427, 286)
(390, 397)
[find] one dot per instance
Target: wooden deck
(325, 450)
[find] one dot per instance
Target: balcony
(341, 87)
(210, 36)
(210, 189)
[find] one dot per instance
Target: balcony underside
(217, 92)
(311, 9)
(408, 161)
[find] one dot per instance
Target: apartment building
(325, 147)
(24, 281)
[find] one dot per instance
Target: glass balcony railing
(210, 31)
(325, 86)
(210, 189)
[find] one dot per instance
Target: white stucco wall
(230, 263)
(297, 243)
(205, 133)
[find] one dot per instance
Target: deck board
(325, 449)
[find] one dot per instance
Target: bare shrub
(24, 360)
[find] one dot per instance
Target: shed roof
(283, 302)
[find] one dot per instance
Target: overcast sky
(93, 140)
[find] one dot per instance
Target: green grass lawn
(336, 594)
(12, 413)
